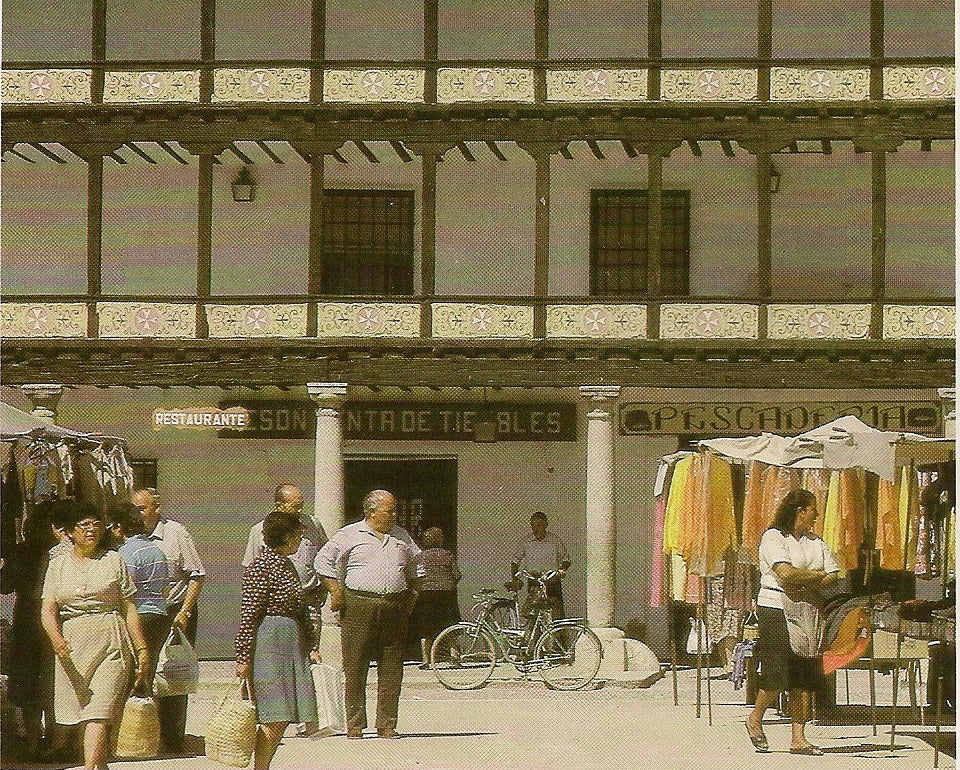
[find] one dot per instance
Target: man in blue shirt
(151, 575)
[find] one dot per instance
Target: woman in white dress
(94, 628)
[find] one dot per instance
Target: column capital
(325, 392)
(600, 393)
(44, 397)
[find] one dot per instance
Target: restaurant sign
(787, 418)
(201, 417)
(411, 421)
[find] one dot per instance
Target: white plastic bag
(704, 645)
(331, 711)
(178, 669)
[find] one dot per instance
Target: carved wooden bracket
(763, 145)
(535, 148)
(422, 148)
(660, 147)
(315, 148)
(878, 142)
(93, 151)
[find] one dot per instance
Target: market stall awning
(846, 442)
(16, 424)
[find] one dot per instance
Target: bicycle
(565, 652)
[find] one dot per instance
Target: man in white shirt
(540, 552)
(382, 570)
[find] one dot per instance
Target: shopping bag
(178, 669)
(138, 731)
(331, 712)
(804, 625)
(232, 730)
(704, 645)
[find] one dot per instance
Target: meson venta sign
(411, 421)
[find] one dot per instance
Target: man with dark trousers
(372, 569)
(186, 581)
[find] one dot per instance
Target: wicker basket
(232, 729)
(138, 732)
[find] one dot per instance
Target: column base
(626, 659)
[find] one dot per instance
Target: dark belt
(373, 595)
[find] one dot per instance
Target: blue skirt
(282, 683)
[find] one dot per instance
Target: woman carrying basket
(276, 642)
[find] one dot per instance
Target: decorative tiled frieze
(373, 85)
(257, 320)
(904, 322)
(43, 319)
(368, 319)
(619, 322)
(147, 319)
(275, 84)
(818, 322)
(67, 86)
(471, 84)
(797, 84)
(150, 87)
(689, 321)
(456, 320)
(596, 85)
(919, 82)
(708, 85)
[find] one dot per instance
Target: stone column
(948, 402)
(44, 399)
(601, 520)
(328, 491)
(328, 459)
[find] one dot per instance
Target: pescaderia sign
(786, 418)
(410, 421)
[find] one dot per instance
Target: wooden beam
(304, 156)
(268, 152)
(565, 152)
(118, 158)
(794, 148)
(654, 221)
(764, 47)
(431, 37)
(654, 47)
(878, 224)
(141, 152)
(318, 46)
(244, 158)
(49, 153)
(764, 226)
(204, 235)
(496, 150)
(98, 48)
(367, 152)
(876, 49)
(401, 151)
(172, 153)
(695, 147)
(338, 157)
(595, 149)
(629, 149)
(727, 148)
(826, 146)
(19, 154)
(926, 145)
(465, 151)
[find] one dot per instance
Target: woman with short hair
(276, 641)
(436, 606)
(793, 562)
(89, 615)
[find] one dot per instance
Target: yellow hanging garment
(889, 539)
(676, 499)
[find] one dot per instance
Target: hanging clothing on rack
(755, 519)
(844, 517)
(889, 537)
(660, 568)
(711, 520)
(817, 481)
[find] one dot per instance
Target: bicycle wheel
(569, 657)
(463, 657)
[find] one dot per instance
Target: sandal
(759, 743)
(809, 750)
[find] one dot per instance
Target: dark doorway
(426, 492)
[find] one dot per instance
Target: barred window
(618, 242)
(367, 245)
